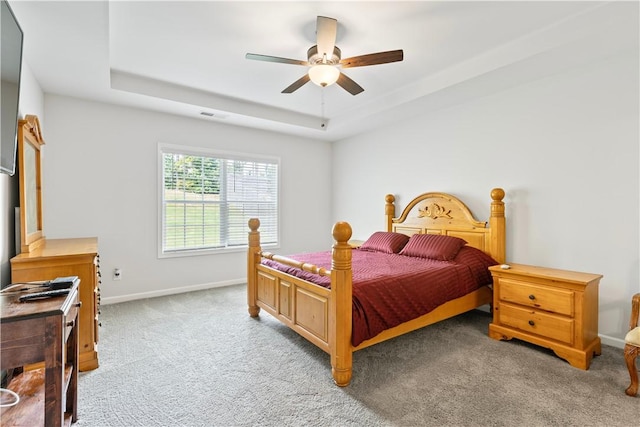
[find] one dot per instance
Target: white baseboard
(613, 342)
(171, 291)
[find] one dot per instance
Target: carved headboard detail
(441, 213)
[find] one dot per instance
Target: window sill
(202, 252)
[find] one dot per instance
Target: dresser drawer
(554, 300)
(535, 322)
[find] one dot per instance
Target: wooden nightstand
(552, 308)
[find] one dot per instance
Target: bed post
(497, 226)
(341, 306)
(253, 258)
(390, 210)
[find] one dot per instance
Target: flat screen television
(11, 66)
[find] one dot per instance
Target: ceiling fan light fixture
(325, 62)
(324, 75)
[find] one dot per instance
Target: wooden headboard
(441, 213)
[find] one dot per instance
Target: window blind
(208, 199)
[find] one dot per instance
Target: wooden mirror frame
(30, 175)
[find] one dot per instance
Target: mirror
(29, 143)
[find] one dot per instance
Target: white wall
(100, 179)
(31, 102)
(565, 149)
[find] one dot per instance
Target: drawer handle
(79, 304)
(532, 323)
(70, 323)
(532, 297)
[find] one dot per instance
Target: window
(207, 199)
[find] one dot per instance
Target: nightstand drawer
(536, 322)
(549, 299)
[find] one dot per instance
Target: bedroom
(567, 158)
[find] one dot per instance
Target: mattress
(390, 289)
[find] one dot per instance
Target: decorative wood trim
(447, 202)
(631, 352)
(30, 178)
(31, 123)
(441, 213)
(341, 306)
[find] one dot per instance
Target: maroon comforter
(390, 289)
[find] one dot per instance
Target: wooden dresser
(552, 308)
(69, 257)
(46, 331)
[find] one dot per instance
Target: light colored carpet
(198, 359)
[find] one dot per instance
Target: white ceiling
(188, 57)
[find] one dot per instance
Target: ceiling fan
(325, 60)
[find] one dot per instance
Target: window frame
(218, 154)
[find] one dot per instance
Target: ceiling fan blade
(267, 58)
(349, 85)
(326, 29)
(297, 84)
(373, 59)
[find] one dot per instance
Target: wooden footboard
(301, 305)
(324, 316)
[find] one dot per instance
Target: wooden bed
(324, 316)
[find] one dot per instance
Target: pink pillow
(385, 241)
(434, 246)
